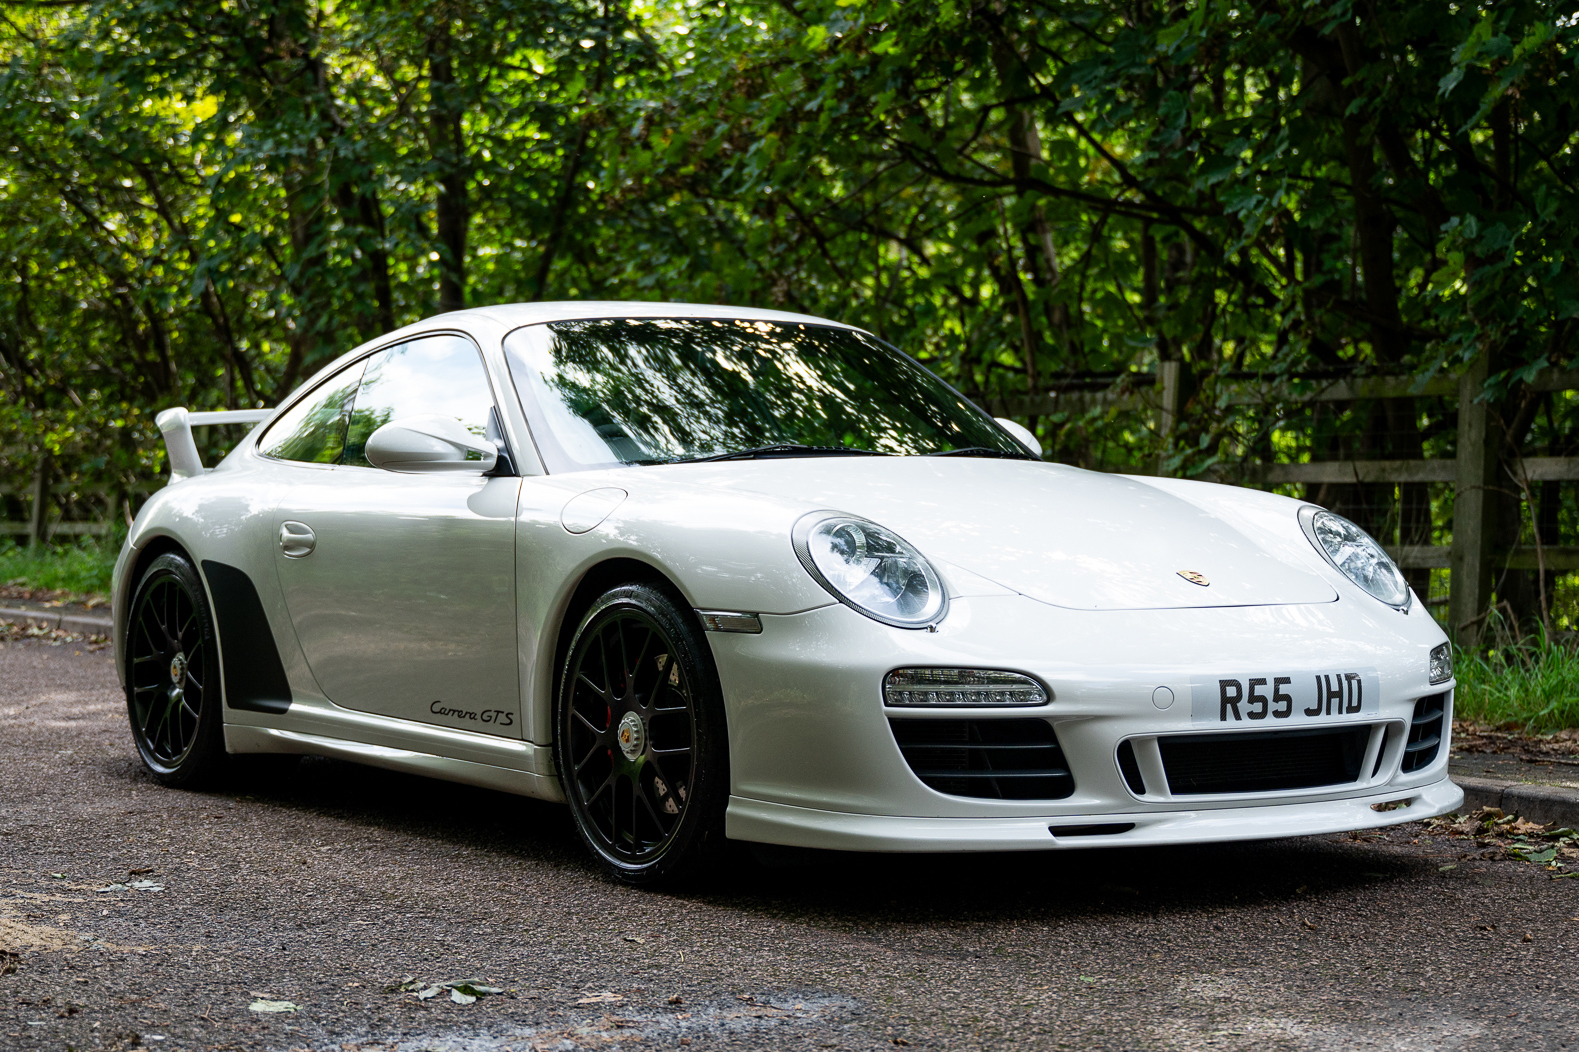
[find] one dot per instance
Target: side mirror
(1021, 434)
(430, 444)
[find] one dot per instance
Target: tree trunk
(452, 210)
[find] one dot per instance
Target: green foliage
(83, 568)
(207, 201)
(1533, 683)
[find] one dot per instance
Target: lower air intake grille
(1130, 768)
(998, 759)
(1260, 763)
(1425, 733)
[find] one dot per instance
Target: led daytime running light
(960, 686)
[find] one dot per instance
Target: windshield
(664, 390)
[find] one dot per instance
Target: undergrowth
(1531, 682)
(81, 567)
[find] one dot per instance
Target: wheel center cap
(632, 736)
(178, 669)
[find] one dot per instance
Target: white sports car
(709, 572)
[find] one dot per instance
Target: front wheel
(639, 737)
(172, 675)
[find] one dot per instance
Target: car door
(401, 587)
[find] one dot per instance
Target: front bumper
(814, 761)
(770, 823)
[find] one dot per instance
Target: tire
(639, 738)
(173, 677)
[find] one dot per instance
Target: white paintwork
(406, 606)
(585, 512)
(176, 426)
(450, 588)
(181, 451)
(429, 445)
(228, 416)
(1021, 432)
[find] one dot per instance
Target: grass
(81, 567)
(1532, 684)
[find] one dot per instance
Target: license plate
(1270, 699)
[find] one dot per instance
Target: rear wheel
(639, 737)
(172, 675)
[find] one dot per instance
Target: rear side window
(314, 429)
(436, 374)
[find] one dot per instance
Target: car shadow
(863, 888)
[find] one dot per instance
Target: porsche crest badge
(1195, 578)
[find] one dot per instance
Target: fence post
(1170, 380)
(40, 494)
(1471, 564)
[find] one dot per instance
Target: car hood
(1065, 536)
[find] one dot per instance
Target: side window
(436, 374)
(314, 429)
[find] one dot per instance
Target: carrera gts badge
(1195, 578)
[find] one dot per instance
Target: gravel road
(333, 885)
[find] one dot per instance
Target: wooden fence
(48, 501)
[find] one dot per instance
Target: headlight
(870, 568)
(1441, 664)
(1360, 558)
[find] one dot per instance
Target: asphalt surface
(329, 887)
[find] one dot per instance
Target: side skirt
(488, 776)
(318, 727)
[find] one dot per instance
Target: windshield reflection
(661, 390)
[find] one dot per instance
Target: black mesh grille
(1259, 763)
(1425, 733)
(1128, 766)
(1000, 759)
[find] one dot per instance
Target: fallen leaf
(1444, 869)
(462, 999)
(425, 994)
(1309, 924)
(472, 988)
(273, 1006)
(676, 999)
(1528, 937)
(633, 938)
(606, 997)
(145, 885)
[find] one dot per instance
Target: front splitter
(786, 824)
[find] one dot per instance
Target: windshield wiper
(782, 449)
(981, 451)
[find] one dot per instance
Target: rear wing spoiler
(176, 425)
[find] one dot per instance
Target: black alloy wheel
(639, 737)
(172, 675)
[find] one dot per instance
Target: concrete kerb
(1533, 803)
(86, 624)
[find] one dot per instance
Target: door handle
(297, 540)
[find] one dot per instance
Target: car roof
(512, 315)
